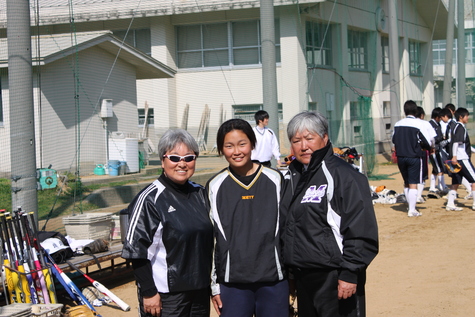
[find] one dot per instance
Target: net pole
(269, 75)
(461, 98)
(22, 121)
(446, 97)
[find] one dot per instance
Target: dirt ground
(425, 267)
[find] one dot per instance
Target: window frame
(141, 117)
(312, 106)
(385, 54)
(248, 114)
(439, 48)
(355, 110)
(133, 38)
(415, 62)
(386, 109)
(314, 33)
(358, 50)
(470, 47)
(231, 48)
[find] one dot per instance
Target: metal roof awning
(57, 46)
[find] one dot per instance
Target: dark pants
(411, 169)
(437, 164)
(182, 304)
(317, 295)
(467, 171)
(261, 299)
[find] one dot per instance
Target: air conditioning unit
(47, 178)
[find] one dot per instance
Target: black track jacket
(172, 230)
(329, 217)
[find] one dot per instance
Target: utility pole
(394, 64)
(22, 120)
(461, 98)
(449, 51)
(269, 74)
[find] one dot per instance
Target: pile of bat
(27, 266)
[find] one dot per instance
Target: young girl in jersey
(248, 276)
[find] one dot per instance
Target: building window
(246, 112)
(438, 52)
(385, 54)
(246, 48)
(470, 47)
(357, 50)
(139, 39)
(222, 44)
(415, 58)
(440, 46)
(312, 106)
(386, 109)
(150, 116)
(318, 44)
(355, 110)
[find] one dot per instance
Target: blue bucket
(114, 168)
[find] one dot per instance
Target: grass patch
(5, 194)
(379, 177)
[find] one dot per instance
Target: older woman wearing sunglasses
(170, 236)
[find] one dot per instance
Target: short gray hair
(313, 122)
(172, 138)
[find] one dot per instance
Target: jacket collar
(315, 161)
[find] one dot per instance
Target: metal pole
(462, 100)
(449, 50)
(22, 123)
(395, 101)
(106, 137)
(269, 75)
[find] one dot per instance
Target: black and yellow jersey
(246, 222)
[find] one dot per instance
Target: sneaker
(444, 190)
(468, 197)
(414, 213)
(433, 194)
(453, 208)
(473, 207)
(420, 200)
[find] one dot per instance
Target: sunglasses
(178, 158)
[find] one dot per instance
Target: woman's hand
(345, 289)
(153, 305)
(216, 299)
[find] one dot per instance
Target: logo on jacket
(314, 194)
